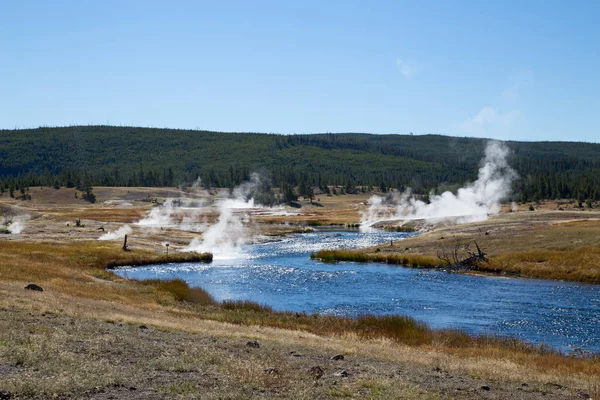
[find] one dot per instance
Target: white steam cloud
(224, 238)
(159, 217)
(229, 232)
(118, 234)
(474, 202)
(15, 225)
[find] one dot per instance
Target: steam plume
(229, 232)
(118, 234)
(474, 202)
(161, 216)
(15, 225)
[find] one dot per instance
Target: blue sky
(523, 70)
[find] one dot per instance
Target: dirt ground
(90, 350)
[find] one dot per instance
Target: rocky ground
(49, 353)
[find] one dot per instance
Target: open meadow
(92, 334)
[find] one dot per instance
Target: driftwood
(456, 262)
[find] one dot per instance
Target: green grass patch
(137, 260)
(406, 260)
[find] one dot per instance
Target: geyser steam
(158, 217)
(15, 225)
(229, 232)
(118, 234)
(474, 202)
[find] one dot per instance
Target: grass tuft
(181, 291)
(246, 305)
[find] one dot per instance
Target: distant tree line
(87, 156)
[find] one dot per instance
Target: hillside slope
(155, 157)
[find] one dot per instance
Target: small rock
(143, 327)
(583, 395)
(316, 372)
(485, 387)
(34, 287)
(437, 369)
(341, 374)
(338, 357)
(271, 371)
(132, 388)
(5, 395)
(253, 343)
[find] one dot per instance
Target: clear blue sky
(524, 70)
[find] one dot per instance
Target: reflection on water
(281, 274)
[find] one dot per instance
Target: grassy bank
(400, 329)
(557, 245)
(579, 264)
(152, 259)
(405, 260)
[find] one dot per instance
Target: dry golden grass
(541, 244)
(581, 264)
(498, 365)
(180, 291)
(76, 269)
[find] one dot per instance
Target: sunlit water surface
(281, 274)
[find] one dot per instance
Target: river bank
(545, 244)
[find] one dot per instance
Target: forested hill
(155, 157)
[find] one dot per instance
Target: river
(563, 315)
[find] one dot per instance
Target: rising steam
(15, 225)
(159, 217)
(224, 238)
(229, 232)
(474, 202)
(118, 234)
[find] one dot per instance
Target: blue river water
(281, 274)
